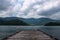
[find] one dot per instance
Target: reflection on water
(8, 30)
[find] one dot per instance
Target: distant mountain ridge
(52, 24)
(12, 21)
(26, 21)
(40, 21)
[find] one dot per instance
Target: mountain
(26, 21)
(12, 21)
(37, 22)
(52, 24)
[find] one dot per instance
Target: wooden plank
(30, 35)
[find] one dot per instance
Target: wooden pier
(30, 35)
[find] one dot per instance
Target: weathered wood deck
(30, 35)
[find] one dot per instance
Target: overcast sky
(30, 8)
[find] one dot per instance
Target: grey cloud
(15, 9)
(4, 5)
(7, 8)
(56, 16)
(50, 12)
(47, 13)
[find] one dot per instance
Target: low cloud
(9, 8)
(30, 8)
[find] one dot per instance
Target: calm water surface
(8, 30)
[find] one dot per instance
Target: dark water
(8, 30)
(53, 31)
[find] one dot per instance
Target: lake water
(9, 30)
